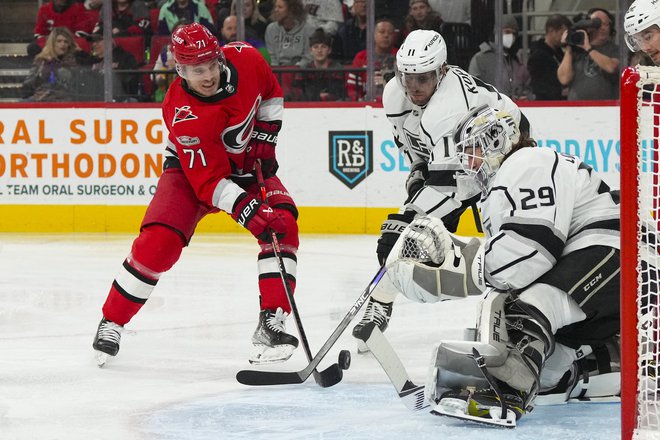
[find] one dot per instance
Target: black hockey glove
(390, 232)
(419, 172)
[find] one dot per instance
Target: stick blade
(257, 378)
(329, 377)
(413, 398)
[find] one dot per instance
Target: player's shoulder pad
(394, 98)
(237, 48)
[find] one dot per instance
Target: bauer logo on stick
(350, 156)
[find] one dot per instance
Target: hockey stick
(251, 377)
(412, 396)
(333, 374)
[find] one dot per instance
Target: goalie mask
(483, 138)
(641, 15)
(419, 65)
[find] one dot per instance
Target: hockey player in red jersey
(223, 114)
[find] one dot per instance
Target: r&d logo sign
(351, 158)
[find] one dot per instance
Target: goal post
(640, 214)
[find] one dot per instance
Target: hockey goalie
(547, 325)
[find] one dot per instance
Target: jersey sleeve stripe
(537, 235)
(512, 263)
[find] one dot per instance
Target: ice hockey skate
(271, 342)
(485, 406)
(106, 341)
(377, 312)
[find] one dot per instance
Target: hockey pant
(169, 224)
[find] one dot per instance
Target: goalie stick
(253, 377)
(411, 395)
(333, 374)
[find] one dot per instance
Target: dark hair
(524, 142)
(557, 21)
(610, 17)
(295, 9)
(320, 37)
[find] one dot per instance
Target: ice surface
(174, 376)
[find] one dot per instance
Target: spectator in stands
(52, 77)
(421, 16)
(452, 11)
(544, 59)
(129, 17)
(164, 61)
(324, 14)
(222, 10)
(174, 11)
(351, 37)
(590, 69)
(395, 10)
(60, 13)
(125, 85)
(315, 84)
(228, 34)
(287, 37)
(255, 23)
(384, 61)
(515, 80)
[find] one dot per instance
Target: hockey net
(640, 252)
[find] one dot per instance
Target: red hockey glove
(258, 218)
(262, 146)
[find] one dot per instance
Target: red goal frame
(629, 208)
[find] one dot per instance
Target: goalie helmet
(483, 138)
(194, 44)
(423, 51)
(641, 15)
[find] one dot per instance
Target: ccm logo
(593, 282)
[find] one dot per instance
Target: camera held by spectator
(576, 33)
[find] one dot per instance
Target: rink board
(94, 169)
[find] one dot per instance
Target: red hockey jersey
(210, 135)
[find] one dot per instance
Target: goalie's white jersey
(540, 206)
(425, 133)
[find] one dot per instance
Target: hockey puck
(344, 360)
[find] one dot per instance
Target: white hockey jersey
(425, 133)
(540, 206)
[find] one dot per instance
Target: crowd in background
(318, 48)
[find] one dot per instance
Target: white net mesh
(424, 240)
(648, 332)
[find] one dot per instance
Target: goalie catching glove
(258, 218)
(429, 264)
(262, 147)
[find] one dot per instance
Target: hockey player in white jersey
(642, 26)
(551, 259)
(423, 104)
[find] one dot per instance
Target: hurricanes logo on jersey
(237, 136)
(183, 114)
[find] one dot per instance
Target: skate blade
(452, 408)
(101, 358)
(264, 354)
(362, 347)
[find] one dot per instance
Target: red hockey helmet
(194, 44)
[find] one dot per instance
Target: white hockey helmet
(488, 135)
(422, 51)
(641, 15)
